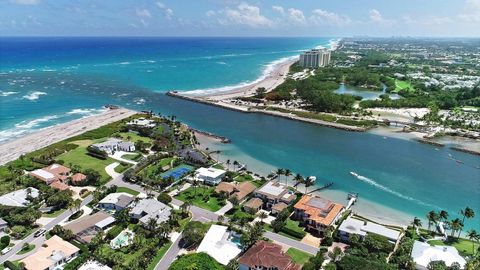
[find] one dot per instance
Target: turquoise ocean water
(46, 81)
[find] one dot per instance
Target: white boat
(313, 178)
(354, 174)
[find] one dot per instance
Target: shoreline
(11, 150)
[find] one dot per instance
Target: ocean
(46, 81)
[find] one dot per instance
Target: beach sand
(11, 150)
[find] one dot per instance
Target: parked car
(40, 232)
(6, 250)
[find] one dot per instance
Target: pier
(322, 187)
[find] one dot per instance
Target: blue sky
(240, 18)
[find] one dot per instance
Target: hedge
(296, 234)
(12, 266)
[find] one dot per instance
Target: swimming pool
(122, 240)
(177, 172)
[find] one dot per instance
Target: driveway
(224, 209)
(118, 156)
(110, 169)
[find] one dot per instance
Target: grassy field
(128, 190)
(298, 256)
(121, 168)
(160, 253)
(463, 246)
(212, 204)
(399, 85)
(156, 167)
(79, 157)
(243, 178)
(133, 137)
(53, 214)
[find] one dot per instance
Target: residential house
(85, 228)
(354, 226)
(54, 253)
(218, 244)
(78, 178)
(273, 193)
(142, 122)
(209, 176)
(115, 201)
(147, 209)
(112, 145)
(424, 253)
(19, 198)
(239, 190)
(94, 265)
(253, 205)
(317, 213)
(264, 255)
(55, 175)
(3, 225)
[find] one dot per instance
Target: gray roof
(18, 198)
(124, 201)
(352, 225)
(3, 222)
(151, 208)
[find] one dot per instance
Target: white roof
(423, 254)
(272, 189)
(18, 198)
(210, 172)
(113, 197)
(94, 265)
(216, 244)
(104, 223)
(352, 225)
(44, 174)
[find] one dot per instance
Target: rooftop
(319, 209)
(18, 198)
(352, 225)
(216, 243)
(267, 255)
(253, 203)
(210, 172)
(94, 265)
(52, 251)
(276, 190)
(151, 208)
(121, 199)
(85, 224)
(423, 254)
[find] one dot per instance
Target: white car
(6, 250)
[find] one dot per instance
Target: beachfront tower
(315, 58)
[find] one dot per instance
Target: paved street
(290, 242)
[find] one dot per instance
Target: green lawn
(463, 246)
(79, 157)
(243, 178)
(128, 190)
(399, 85)
(161, 251)
(212, 204)
(26, 250)
(132, 156)
(156, 168)
(298, 256)
(53, 214)
(133, 137)
(121, 168)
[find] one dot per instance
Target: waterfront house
(424, 253)
(218, 244)
(142, 122)
(115, 201)
(239, 190)
(264, 255)
(53, 254)
(85, 228)
(19, 198)
(317, 213)
(362, 228)
(150, 208)
(112, 145)
(273, 193)
(209, 176)
(55, 175)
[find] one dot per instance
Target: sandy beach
(11, 150)
(272, 79)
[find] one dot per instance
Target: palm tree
(416, 223)
(262, 215)
(287, 174)
(221, 218)
(432, 218)
(228, 164)
(235, 164)
(455, 225)
(443, 215)
(308, 182)
(336, 254)
(466, 213)
(298, 179)
(279, 172)
(473, 236)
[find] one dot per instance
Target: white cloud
(320, 16)
(376, 17)
(210, 13)
(25, 2)
(143, 13)
(472, 12)
(291, 15)
(245, 14)
(278, 9)
(167, 12)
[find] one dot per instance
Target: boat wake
(386, 189)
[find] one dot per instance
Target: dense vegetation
(197, 261)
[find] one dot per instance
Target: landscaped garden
(464, 246)
(203, 197)
(298, 256)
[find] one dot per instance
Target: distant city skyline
(430, 18)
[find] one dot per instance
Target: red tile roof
(78, 177)
(267, 255)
